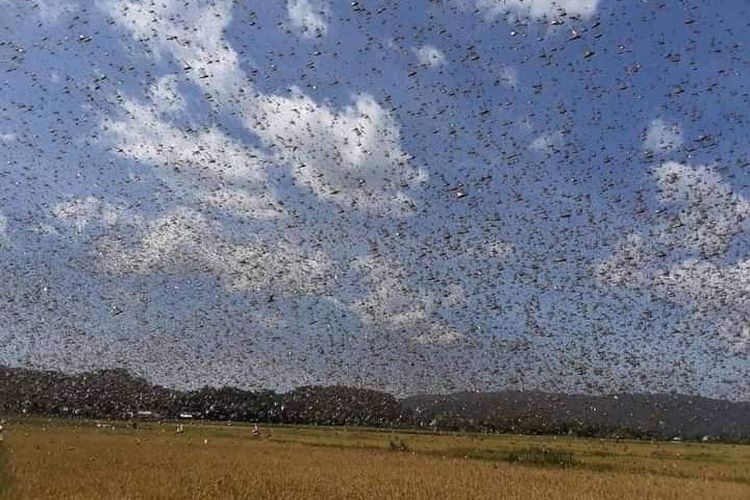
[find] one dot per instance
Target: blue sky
(426, 196)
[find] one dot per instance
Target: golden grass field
(78, 460)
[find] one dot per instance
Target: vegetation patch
(5, 479)
(398, 444)
(542, 457)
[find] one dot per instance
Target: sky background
(412, 196)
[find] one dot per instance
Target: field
(66, 459)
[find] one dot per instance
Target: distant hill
(631, 415)
(118, 394)
(113, 393)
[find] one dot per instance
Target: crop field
(86, 459)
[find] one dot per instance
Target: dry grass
(61, 460)
(4, 472)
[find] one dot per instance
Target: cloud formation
(429, 55)
(392, 304)
(3, 230)
(202, 53)
(206, 165)
(680, 258)
(308, 17)
(537, 9)
(662, 137)
(48, 11)
(185, 241)
(547, 143)
(709, 213)
(351, 156)
(83, 212)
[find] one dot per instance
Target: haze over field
(413, 196)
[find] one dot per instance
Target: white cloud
(186, 241)
(165, 95)
(627, 266)
(537, 9)
(393, 305)
(429, 55)
(350, 156)
(308, 17)
(702, 217)
(353, 156)
(509, 76)
(3, 230)
(439, 335)
(191, 32)
(7, 137)
(715, 293)
(710, 214)
(49, 11)
(52, 10)
(207, 164)
(81, 212)
(662, 137)
(547, 142)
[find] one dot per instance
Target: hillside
(118, 394)
(634, 415)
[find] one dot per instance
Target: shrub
(397, 444)
(542, 456)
